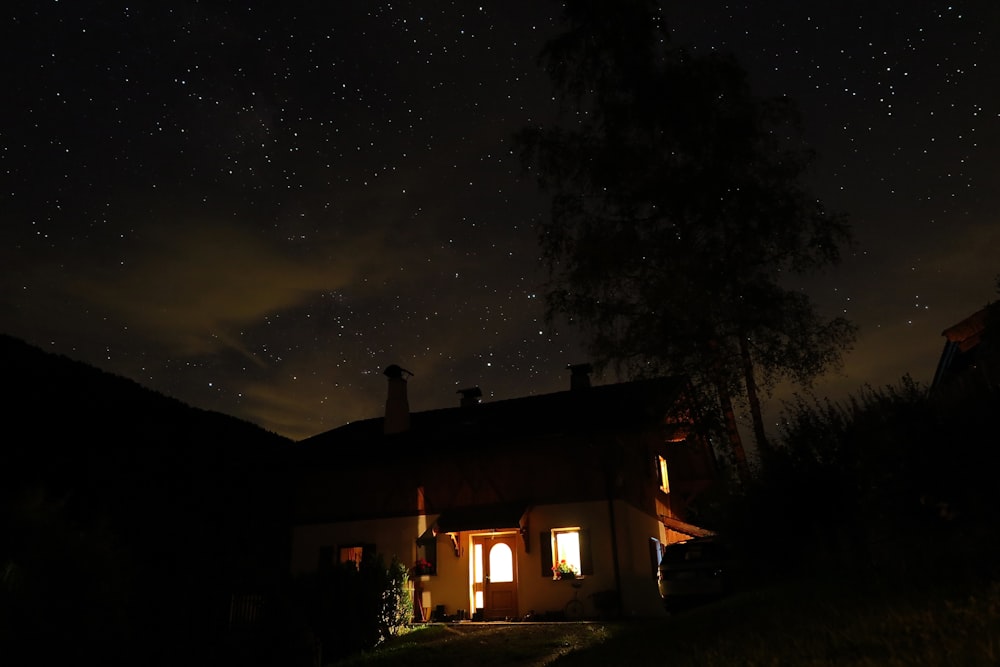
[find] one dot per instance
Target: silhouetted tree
(678, 213)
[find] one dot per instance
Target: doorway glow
(501, 563)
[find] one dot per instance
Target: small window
(426, 562)
(501, 563)
(566, 550)
(664, 477)
(570, 544)
(354, 553)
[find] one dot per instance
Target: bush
(863, 484)
(350, 608)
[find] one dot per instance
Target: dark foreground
(813, 623)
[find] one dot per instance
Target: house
(966, 362)
(486, 497)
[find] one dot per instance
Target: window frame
(547, 541)
(663, 473)
(427, 551)
(331, 555)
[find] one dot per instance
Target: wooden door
(499, 568)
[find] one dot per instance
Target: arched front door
(496, 580)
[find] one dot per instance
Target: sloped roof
(961, 341)
(968, 332)
(496, 516)
(622, 407)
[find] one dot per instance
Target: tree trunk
(753, 398)
(739, 456)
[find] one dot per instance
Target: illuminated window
(570, 544)
(566, 547)
(351, 554)
(664, 477)
(501, 563)
(330, 556)
(477, 572)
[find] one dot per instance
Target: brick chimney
(580, 376)
(397, 407)
(470, 396)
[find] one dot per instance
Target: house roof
(477, 517)
(961, 341)
(620, 407)
(967, 333)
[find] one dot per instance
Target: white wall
(391, 537)
(450, 586)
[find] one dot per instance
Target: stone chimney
(580, 376)
(470, 396)
(397, 407)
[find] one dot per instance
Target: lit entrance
(494, 575)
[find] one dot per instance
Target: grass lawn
(801, 623)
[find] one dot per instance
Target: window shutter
(430, 552)
(586, 561)
(325, 559)
(545, 550)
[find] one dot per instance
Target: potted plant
(422, 567)
(563, 570)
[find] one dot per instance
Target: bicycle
(574, 608)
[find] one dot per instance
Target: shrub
(354, 607)
(863, 483)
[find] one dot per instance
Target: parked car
(696, 571)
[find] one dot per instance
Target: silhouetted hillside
(61, 395)
(126, 513)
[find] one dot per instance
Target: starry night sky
(257, 210)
